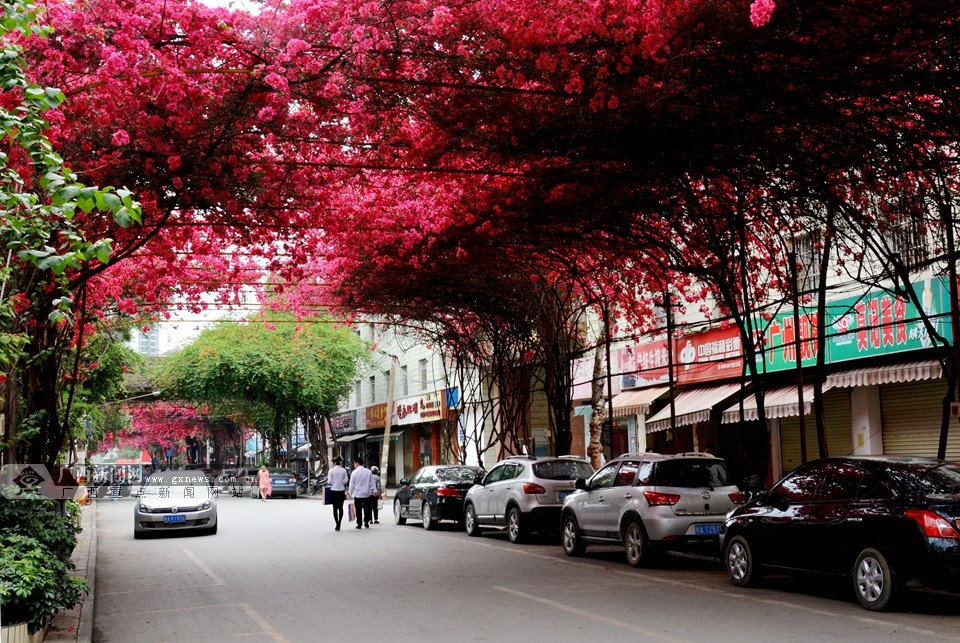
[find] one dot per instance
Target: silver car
(523, 494)
(650, 502)
(175, 501)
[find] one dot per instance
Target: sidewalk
(77, 624)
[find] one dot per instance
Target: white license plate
(706, 530)
(175, 518)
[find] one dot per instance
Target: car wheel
(470, 522)
(873, 581)
(139, 535)
(398, 513)
(427, 516)
(741, 565)
(570, 537)
(515, 528)
(635, 544)
(212, 530)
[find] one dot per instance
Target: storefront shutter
(911, 419)
(836, 418)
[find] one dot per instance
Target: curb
(85, 631)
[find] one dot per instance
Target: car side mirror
(404, 482)
(580, 484)
(478, 479)
(759, 495)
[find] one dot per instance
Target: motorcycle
(310, 486)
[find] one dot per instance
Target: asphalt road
(277, 571)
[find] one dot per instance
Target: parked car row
(885, 523)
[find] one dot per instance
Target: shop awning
(395, 432)
(691, 407)
(636, 402)
(778, 403)
(351, 437)
(891, 374)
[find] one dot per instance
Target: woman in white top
(337, 479)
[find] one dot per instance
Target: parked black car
(434, 493)
(885, 522)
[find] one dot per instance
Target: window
(800, 486)
(373, 388)
(494, 475)
(691, 473)
(603, 478)
(423, 374)
(359, 392)
(909, 238)
(404, 382)
(562, 470)
(809, 256)
(626, 474)
(646, 468)
(842, 482)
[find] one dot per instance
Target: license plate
(175, 518)
(564, 494)
(706, 530)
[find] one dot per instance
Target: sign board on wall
(711, 355)
(877, 323)
(644, 364)
(427, 407)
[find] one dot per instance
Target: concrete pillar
(866, 420)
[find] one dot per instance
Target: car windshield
(691, 473)
(457, 474)
(562, 470)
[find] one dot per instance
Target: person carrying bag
(376, 495)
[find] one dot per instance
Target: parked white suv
(523, 494)
(650, 502)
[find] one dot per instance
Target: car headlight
(145, 508)
(204, 505)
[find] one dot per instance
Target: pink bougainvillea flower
(761, 11)
(120, 138)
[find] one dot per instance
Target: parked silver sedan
(175, 501)
(650, 502)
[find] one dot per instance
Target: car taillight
(933, 524)
(448, 492)
(655, 499)
(738, 498)
(533, 489)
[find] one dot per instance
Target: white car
(175, 501)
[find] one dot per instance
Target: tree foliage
(295, 369)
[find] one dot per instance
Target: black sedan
(434, 493)
(884, 522)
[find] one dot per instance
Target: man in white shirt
(337, 477)
(361, 484)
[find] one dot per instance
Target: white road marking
(637, 629)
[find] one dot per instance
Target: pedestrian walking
(376, 495)
(263, 482)
(337, 477)
(361, 484)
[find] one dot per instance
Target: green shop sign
(877, 323)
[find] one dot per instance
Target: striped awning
(636, 402)
(777, 403)
(890, 374)
(691, 407)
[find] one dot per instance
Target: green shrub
(36, 542)
(34, 583)
(40, 518)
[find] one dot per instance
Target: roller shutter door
(836, 419)
(911, 419)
